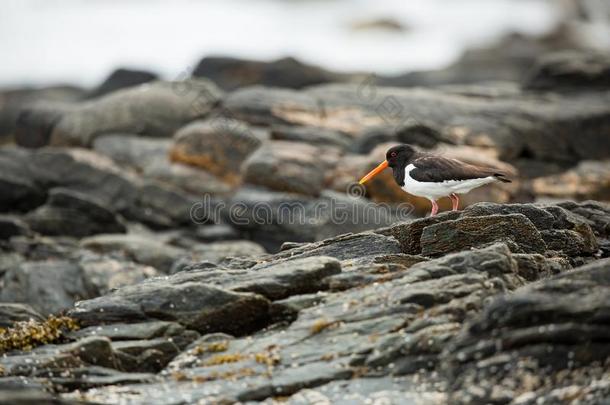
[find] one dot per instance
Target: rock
(85, 172)
(290, 166)
(216, 233)
(378, 24)
(552, 325)
(30, 396)
(50, 359)
(595, 214)
(48, 287)
(524, 227)
(150, 157)
(153, 109)
(570, 70)
(275, 281)
(196, 306)
(590, 179)
(343, 247)
(271, 218)
(137, 248)
(217, 145)
(72, 213)
(145, 355)
(11, 313)
(12, 226)
(132, 150)
(162, 206)
(122, 78)
(260, 105)
(12, 102)
(18, 191)
(232, 73)
(312, 135)
(216, 252)
(463, 233)
(140, 331)
(413, 133)
(104, 274)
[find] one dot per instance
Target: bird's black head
(398, 157)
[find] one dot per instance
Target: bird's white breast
(436, 190)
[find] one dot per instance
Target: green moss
(27, 335)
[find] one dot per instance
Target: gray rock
(553, 328)
(153, 109)
(570, 70)
(138, 248)
(11, 313)
(274, 280)
(196, 306)
(104, 274)
(18, 191)
(48, 287)
(217, 252)
(72, 213)
(290, 166)
(312, 135)
(140, 331)
(149, 355)
(12, 226)
(272, 218)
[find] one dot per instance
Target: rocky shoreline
(199, 242)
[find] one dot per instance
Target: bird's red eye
(393, 154)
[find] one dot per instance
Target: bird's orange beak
(374, 172)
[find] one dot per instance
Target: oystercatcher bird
(432, 176)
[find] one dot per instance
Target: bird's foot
(455, 201)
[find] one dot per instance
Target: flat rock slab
(194, 305)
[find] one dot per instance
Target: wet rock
(137, 110)
(290, 166)
(233, 73)
(555, 325)
(11, 313)
(46, 360)
(194, 305)
(570, 70)
(122, 78)
(145, 355)
(136, 247)
(218, 146)
(47, 286)
(72, 213)
(588, 180)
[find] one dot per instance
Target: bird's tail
(502, 177)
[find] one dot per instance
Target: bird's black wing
(436, 169)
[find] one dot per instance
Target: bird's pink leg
(455, 201)
(434, 208)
